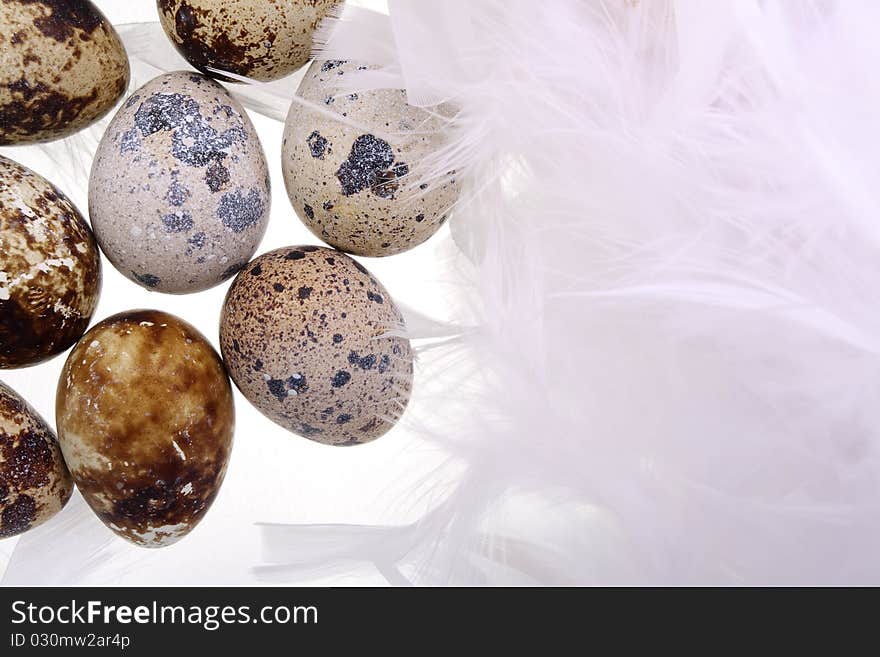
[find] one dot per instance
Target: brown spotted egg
(259, 39)
(354, 180)
(50, 269)
(145, 420)
(311, 339)
(179, 190)
(34, 481)
(63, 68)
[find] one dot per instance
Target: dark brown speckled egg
(260, 39)
(63, 68)
(34, 482)
(145, 420)
(50, 269)
(311, 339)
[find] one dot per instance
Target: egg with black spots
(50, 269)
(34, 481)
(63, 68)
(145, 420)
(356, 181)
(179, 192)
(259, 39)
(313, 341)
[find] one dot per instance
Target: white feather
(672, 218)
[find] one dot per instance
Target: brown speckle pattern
(50, 271)
(145, 419)
(259, 39)
(306, 343)
(355, 188)
(63, 68)
(179, 193)
(34, 481)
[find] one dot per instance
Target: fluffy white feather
(672, 226)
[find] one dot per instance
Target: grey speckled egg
(179, 191)
(50, 269)
(259, 39)
(306, 334)
(34, 481)
(62, 67)
(356, 188)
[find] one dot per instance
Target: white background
(274, 476)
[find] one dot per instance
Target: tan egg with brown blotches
(313, 340)
(50, 269)
(62, 67)
(355, 180)
(34, 482)
(145, 420)
(259, 39)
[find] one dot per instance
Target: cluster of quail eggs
(179, 201)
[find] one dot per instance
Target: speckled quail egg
(145, 420)
(259, 39)
(50, 269)
(62, 67)
(356, 185)
(34, 482)
(312, 340)
(179, 191)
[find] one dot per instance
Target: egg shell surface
(62, 67)
(260, 39)
(311, 339)
(356, 185)
(145, 419)
(179, 193)
(50, 269)
(34, 481)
